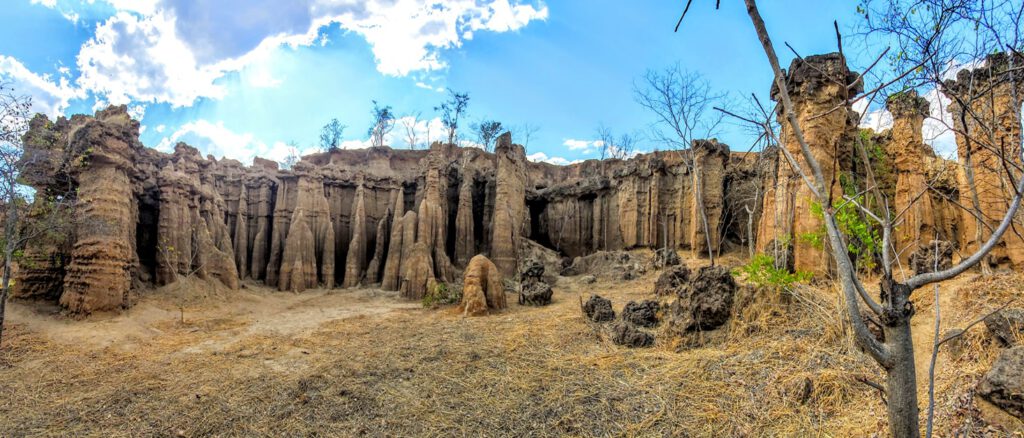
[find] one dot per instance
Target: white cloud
(584, 146)
(142, 59)
(47, 3)
(174, 51)
(49, 97)
(217, 140)
(539, 157)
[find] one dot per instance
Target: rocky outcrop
(707, 303)
(936, 255)
(465, 244)
(986, 119)
(356, 259)
(1003, 385)
(1006, 326)
(907, 151)
(103, 254)
(305, 245)
(709, 162)
(481, 288)
(417, 272)
(598, 309)
(817, 85)
(510, 204)
(533, 290)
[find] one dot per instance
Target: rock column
(817, 85)
(986, 106)
(907, 151)
(509, 204)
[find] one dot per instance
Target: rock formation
(509, 205)
(907, 152)
(817, 85)
(598, 309)
(985, 107)
(406, 218)
(481, 288)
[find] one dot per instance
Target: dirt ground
(194, 360)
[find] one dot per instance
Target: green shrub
(442, 295)
(761, 271)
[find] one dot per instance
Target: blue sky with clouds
(242, 78)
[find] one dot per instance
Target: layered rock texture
(404, 219)
(819, 87)
(985, 105)
(907, 152)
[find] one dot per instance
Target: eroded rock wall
(985, 105)
(401, 219)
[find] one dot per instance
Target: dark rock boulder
(924, 259)
(624, 333)
(673, 282)
(707, 304)
(643, 314)
(1003, 385)
(1006, 326)
(533, 290)
(666, 257)
(598, 309)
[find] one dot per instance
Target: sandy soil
(195, 360)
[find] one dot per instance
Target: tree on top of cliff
(487, 132)
(330, 135)
(292, 157)
(612, 147)
(451, 111)
(383, 123)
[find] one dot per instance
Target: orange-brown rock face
(710, 159)
(481, 288)
(341, 218)
(99, 275)
(908, 152)
(308, 251)
(510, 204)
(817, 85)
(986, 119)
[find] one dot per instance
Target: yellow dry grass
(417, 372)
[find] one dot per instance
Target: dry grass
(414, 372)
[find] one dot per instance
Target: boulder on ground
(588, 279)
(643, 314)
(598, 309)
(673, 282)
(533, 290)
(624, 333)
(708, 302)
(481, 287)
(924, 258)
(666, 257)
(1006, 326)
(1003, 385)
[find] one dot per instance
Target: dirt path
(923, 328)
(251, 311)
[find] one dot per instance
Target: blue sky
(242, 78)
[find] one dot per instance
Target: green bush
(761, 271)
(442, 295)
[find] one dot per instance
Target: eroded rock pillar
(986, 106)
(907, 151)
(509, 204)
(817, 86)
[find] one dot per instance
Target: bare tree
(524, 133)
(409, 123)
(27, 215)
(612, 147)
(331, 135)
(487, 132)
(451, 111)
(383, 123)
(292, 157)
(681, 102)
(894, 308)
